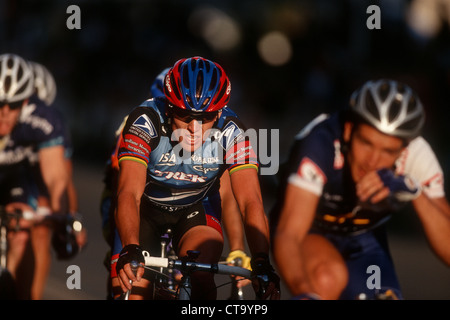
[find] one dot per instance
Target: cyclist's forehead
(374, 137)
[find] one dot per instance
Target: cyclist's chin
(189, 145)
(5, 129)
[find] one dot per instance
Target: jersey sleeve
(140, 135)
(308, 169)
(419, 161)
(313, 157)
(237, 144)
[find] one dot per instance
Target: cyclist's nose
(194, 126)
(373, 159)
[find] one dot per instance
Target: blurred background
(287, 60)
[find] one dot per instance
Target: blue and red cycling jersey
(177, 178)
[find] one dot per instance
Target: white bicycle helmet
(390, 106)
(16, 78)
(44, 83)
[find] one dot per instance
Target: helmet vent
(371, 106)
(395, 109)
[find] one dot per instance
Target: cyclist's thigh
(199, 229)
(204, 239)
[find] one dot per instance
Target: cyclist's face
(370, 150)
(9, 114)
(189, 131)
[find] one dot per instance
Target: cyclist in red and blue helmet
(160, 187)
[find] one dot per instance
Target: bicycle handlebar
(197, 266)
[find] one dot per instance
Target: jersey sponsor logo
(204, 160)
(338, 156)
(180, 176)
(167, 159)
(135, 146)
(193, 214)
(15, 156)
(146, 125)
(309, 171)
(241, 153)
(203, 169)
(229, 135)
(36, 122)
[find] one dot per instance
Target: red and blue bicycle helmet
(197, 84)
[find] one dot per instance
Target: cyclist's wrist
(129, 253)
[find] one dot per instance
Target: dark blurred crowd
(105, 68)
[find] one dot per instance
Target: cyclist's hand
(266, 282)
(402, 187)
(239, 258)
(130, 255)
(382, 189)
(28, 215)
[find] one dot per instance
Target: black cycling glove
(129, 253)
(265, 281)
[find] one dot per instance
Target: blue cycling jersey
(177, 178)
(38, 127)
(317, 163)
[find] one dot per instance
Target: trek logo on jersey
(144, 123)
(229, 135)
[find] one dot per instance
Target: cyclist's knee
(330, 279)
(204, 239)
(326, 268)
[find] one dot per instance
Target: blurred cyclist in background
(27, 127)
(42, 233)
(347, 174)
(171, 161)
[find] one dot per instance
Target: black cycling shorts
(155, 222)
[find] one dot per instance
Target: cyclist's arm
(231, 216)
(434, 213)
(131, 184)
(72, 195)
(295, 220)
(52, 165)
(245, 185)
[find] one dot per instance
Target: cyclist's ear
(348, 127)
